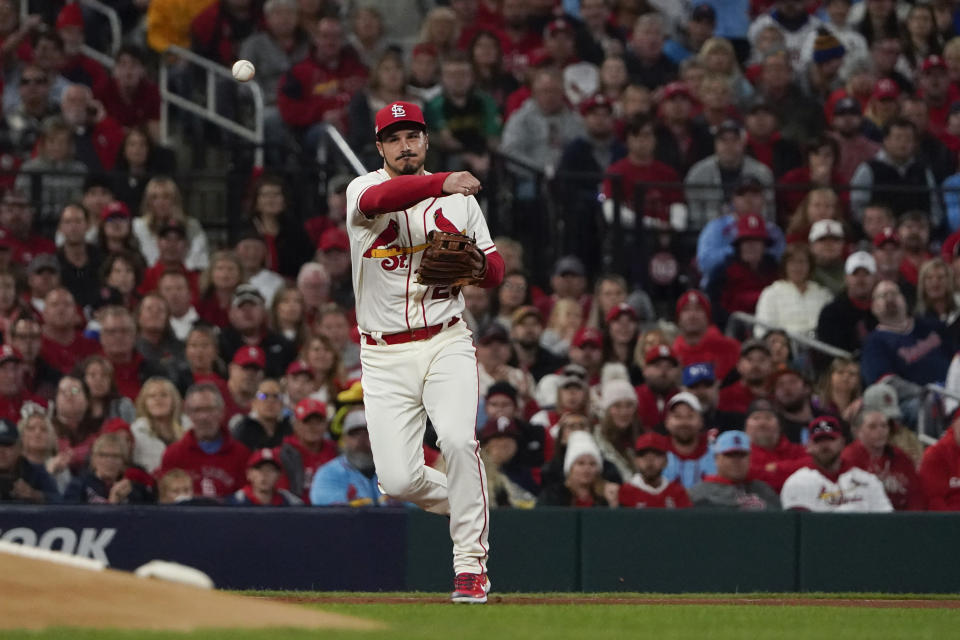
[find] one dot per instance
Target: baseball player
(417, 354)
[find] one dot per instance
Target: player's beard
(406, 166)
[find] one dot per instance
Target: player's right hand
(462, 182)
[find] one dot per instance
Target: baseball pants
(402, 385)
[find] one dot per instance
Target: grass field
(873, 616)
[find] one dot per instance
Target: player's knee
(400, 483)
(458, 446)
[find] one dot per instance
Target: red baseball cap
(115, 209)
(310, 407)
(8, 353)
(889, 234)
(587, 335)
(693, 297)
(886, 89)
(619, 310)
(675, 89)
(499, 427)
(70, 16)
(298, 366)
(261, 456)
(951, 247)
(751, 227)
(933, 62)
(598, 101)
(334, 238)
(660, 352)
(116, 424)
(652, 441)
(557, 26)
(250, 357)
(398, 112)
(824, 427)
(425, 49)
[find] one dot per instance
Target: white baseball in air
(243, 70)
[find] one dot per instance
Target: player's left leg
(450, 396)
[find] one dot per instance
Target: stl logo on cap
(252, 352)
(398, 111)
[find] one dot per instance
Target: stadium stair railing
(113, 20)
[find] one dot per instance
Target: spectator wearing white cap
(583, 485)
(793, 302)
(845, 322)
(619, 426)
(731, 487)
(689, 458)
(826, 240)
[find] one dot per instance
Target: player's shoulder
(367, 179)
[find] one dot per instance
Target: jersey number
(442, 293)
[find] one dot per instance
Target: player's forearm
(401, 193)
(495, 269)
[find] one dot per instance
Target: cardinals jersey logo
(442, 223)
(390, 234)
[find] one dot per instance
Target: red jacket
(211, 312)
(674, 496)
(143, 106)
(10, 405)
(83, 70)
(29, 248)
(214, 475)
(216, 34)
(127, 375)
(309, 90)
(107, 139)
(739, 285)
(151, 278)
(736, 398)
(64, 357)
(940, 474)
(634, 175)
(651, 407)
(714, 347)
(774, 466)
(895, 470)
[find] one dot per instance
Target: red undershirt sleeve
(495, 269)
(400, 193)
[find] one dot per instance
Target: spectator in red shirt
(172, 247)
(661, 382)
(63, 343)
(217, 31)
(648, 488)
(309, 448)
(318, 89)
(246, 373)
(25, 335)
(736, 284)
(217, 285)
(872, 451)
(772, 456)
(940, 471)
(200, 353)
(637, 169)
(701, 341)
(12, 392)
(129, 96)
(76, 428)
(819, 171)
(215, 461)
(118, 333)
(754, 366)
(96, 135)
(76, 67)
(16, 218)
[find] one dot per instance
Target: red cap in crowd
(751, 227)
(619, 310)
(8, 353)
(334, 238)
(888, 234)
(652, 441)
(933, 62)
(114, 425)
(693, 297)
(310, 407)
(298, 366)
(886, 89)
(824, 427)
(398, 112)
(262, 456)
(115, 209)
(660, 352)
(499, 427)
(587, 335)
(70, 16)
(557, 26)
(598, 101)
(951, 247)
(250, 357)
(425, 49)
(675, 89)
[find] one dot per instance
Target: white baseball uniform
(855, 491)
(435, 374)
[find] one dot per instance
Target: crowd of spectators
(810, 149)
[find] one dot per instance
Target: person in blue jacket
(20, 480)
(350, 479)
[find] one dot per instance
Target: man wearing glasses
(25, 107)
(265, 425)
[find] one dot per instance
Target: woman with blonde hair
(819, 204)
(719, 59)
(38, 444)
(441, 29)
(158, 424)
(327, 367)
(936, 294)
(163, 205)
(217, 285)
(566, 317)
(839, 389)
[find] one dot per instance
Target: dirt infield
(38, 594)
(866, 603)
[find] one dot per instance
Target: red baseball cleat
(470, 588)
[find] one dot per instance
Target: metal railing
(929, 428)
(212, 72)
(333, 134)
(798, 338)
(113, 20)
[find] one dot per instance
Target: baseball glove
(451, 260)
